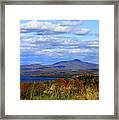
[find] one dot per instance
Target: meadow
(76, 87)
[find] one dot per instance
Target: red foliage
(81, 84)
(24, 87)
(65, 82)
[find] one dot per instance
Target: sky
(49, 41)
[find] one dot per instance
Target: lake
(35, 78)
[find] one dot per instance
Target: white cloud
(69, 42)
(49, 44)
(23, 30)
(82, 31)
(61, 52)
(45, 25)
(50, 39)
(61, 26)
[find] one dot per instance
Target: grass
(78, 87)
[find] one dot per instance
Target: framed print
(59, 60)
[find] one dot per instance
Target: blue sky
(50, 41)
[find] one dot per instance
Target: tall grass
(78, 87)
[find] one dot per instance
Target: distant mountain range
(75, 65)
(65, 67)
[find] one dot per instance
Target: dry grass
(79, 87)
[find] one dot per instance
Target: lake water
(35, 78)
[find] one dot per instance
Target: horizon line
(58, 62)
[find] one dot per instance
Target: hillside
(63, 68)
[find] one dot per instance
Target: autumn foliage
(78, 87)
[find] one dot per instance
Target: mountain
(75, 65)
(31, 67)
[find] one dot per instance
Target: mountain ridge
(56, 63)
(72, 65)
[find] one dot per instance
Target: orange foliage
(24, 87)
(65, 82)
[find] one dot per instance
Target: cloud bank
(58, 39)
